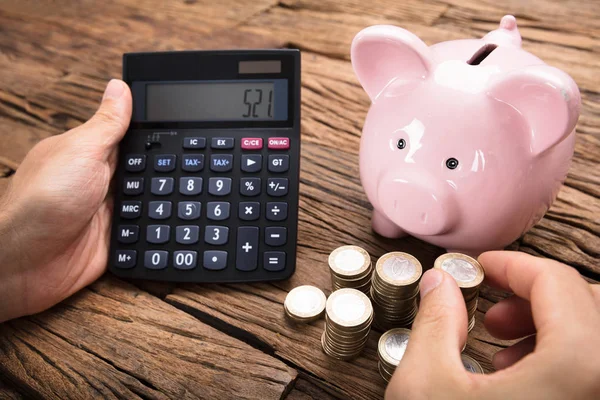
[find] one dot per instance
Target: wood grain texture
(113, 340)
(117, 340)
(9, 392)
(306, 389)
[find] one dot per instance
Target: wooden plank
(306, 389)
(9, 392)
(235, 310)
(238, 307)
(56, 61)
(425, 13)
(329, 29)
(65, 95)
(113, 340)
(554, 15)
(149, 19)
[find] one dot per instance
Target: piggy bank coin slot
(482, 54)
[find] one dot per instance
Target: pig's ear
(546, 97)
(382, 53)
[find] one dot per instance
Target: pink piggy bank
(467, 142)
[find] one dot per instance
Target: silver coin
(471, 364)
(398, 268)
(395, 346)
(305, 302)
(349, 260)
(392, 345)
(460, 270)
(349, 307)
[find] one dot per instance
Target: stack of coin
(468, 274)
(348, 317)
(395, 290)
(350, 267)
(392, 345)
(471, 364)
(304, 303)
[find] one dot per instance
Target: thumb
(440, 329)
(109, 124)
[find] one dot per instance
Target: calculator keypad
(251, 162)
(190, 185)
(164, 163)
(189, 210)
(135, 163)
(250, 186)
(133, 186)
(156, 259)
(249, 211)
(162, 186)
(229, 217)
(219, 186)
(187, 234)
(131, 209)
(217, 210)
(159, 209)
(158, 234)
(192, 162)
(128, 233)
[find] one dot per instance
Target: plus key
(247, 248)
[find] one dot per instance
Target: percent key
(250, 186)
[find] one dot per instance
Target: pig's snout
(420, 206)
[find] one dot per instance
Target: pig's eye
(452, 163)
(401, 144)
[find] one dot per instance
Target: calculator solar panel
(206, 188)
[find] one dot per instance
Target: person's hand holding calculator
(55, 218)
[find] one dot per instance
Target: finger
(109, 124)
(509, 356)
(510, 319)
(560, 299)
(440, 329)
(596, 292)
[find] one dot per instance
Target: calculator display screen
(257, 100)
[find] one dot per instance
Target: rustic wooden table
(133, 339)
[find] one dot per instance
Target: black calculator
(206, 188)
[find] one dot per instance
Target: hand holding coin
(553, 308)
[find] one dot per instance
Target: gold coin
(349, 308)
(471, 364)
(471, 325)
(353, 281)
(392, 345)
(398, 269)
(383, 372)
(465, 270)
(349, 261)
(335, 353)
(305, 303)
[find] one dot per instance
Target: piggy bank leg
(386, 228)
